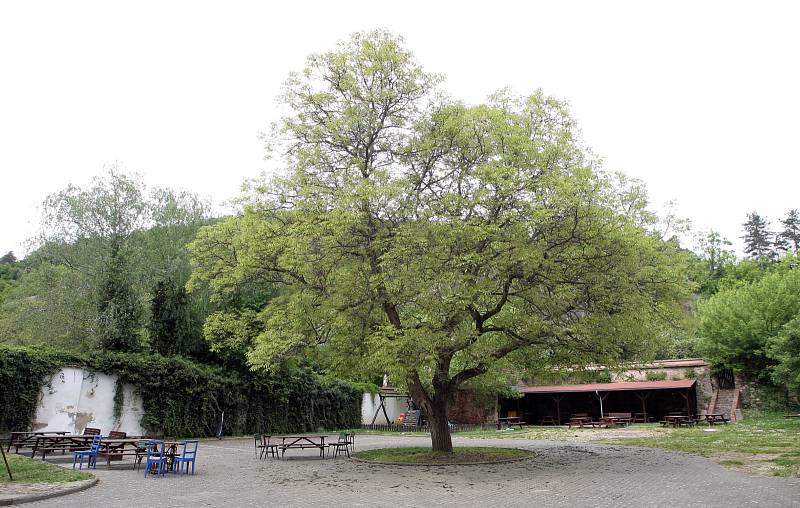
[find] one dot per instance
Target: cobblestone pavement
(562, 474)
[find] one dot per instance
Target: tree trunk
(440, 428)
(435, 410)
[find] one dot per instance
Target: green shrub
(656, 376)
(181, 397)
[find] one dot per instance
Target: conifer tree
(789, 238)
(758, 243)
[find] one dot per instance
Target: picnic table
(548, 420)
(61, 442)
(677, 420)
(712, 418)
(24, 439)
(301, 442)
(581, 421)
(509, 421)
(118, 448)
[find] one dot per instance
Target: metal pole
(601, 403)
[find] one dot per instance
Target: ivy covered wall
(185, 398)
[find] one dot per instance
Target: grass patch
(767, 438)
(731, 462)
(26, 470)
(460, 455)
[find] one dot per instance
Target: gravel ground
(561, 474)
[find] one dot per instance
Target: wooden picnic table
(301, 442)
(580, 421)
(610, 421)
(509, 421)
(548, 420)
(118, 448)
(24, 439)
(677, 420)
(62, 442)
(712, 418)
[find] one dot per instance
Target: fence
(454, 427)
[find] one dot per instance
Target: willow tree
(440, 243)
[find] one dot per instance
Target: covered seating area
(637, 401)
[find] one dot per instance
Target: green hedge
(185, 398)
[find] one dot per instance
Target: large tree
(101, 251)
(753, 327)
(758, 239)
(789, 239)
(440, 243)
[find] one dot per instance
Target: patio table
(301, 442)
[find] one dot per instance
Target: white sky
(698, 99)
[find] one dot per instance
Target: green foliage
(101, 252)
(119, 309)
(752, 328)
(185, 398)
(656, 376)
(172, 329)
(690, 373)
(23, 372)
(768, 398)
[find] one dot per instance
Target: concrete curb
(69, 488)
(431, 464)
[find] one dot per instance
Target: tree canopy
(752, 328)
(438, 242)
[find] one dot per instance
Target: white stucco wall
(371, 402)
(75, 399)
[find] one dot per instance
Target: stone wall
(74, 399)
(691, 368)
(467, 407)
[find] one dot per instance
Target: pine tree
(789, 238)
(8, 258)
(758, 243)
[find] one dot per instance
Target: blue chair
(156, 458)
(188, 455)
(90, 454)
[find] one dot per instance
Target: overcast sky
(698, 99)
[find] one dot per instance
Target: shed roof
(611, 387)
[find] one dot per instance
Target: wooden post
(643, 397)
(5, 460)
(557, 400)
(381, 406)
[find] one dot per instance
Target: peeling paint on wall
(74, 399)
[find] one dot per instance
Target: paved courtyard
(562, 474)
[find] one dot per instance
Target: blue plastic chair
(156, 458)
(90, 454)
(187, 456)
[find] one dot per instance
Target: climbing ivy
(181, 397)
